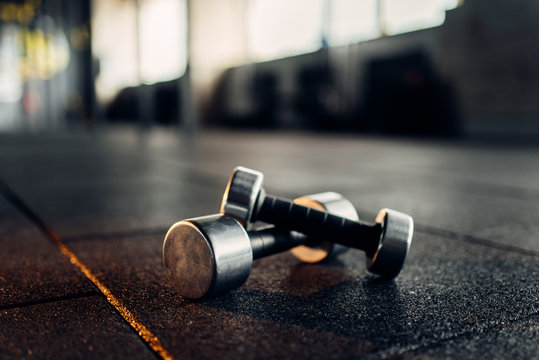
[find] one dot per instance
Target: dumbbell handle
(317, 224)
(273, 241)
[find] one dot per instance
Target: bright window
(353, 21)
(163, 32)
(400, 16)
(158, 53)
(278, 28)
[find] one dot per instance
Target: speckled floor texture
(83, 216)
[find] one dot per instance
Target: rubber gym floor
(83, 217)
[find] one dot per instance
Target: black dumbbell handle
(273, 241)
(318, 224)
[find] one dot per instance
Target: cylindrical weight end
(331, 202)
(397, 232)
(207, 255)
(241, 193)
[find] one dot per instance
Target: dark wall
(475, 74)
(160, 104)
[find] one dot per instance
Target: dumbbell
(386, 242)
(211, 254)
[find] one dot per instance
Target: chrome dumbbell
(386, 242)
(211, 254)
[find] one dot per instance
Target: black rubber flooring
(83, 217)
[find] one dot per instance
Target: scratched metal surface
(83, 218)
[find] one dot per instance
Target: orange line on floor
(152, 340)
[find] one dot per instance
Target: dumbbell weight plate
(336, 204)
(197, 268)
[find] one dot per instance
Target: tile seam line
(438, 231)
(418, 227)
(148, 231)
(143, 332)
(475, 240)
(209, 177)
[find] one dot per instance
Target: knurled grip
(318, 224)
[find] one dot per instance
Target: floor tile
(440, 294)
(70, 329)
(32, 269)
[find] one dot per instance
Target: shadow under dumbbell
(308, 279)
(364, 308)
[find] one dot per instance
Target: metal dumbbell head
(211, 254)
(241, 194)
(386, 242)
(336, 204)
(397, 231)
(207, 255)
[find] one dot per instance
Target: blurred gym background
(409, 67)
